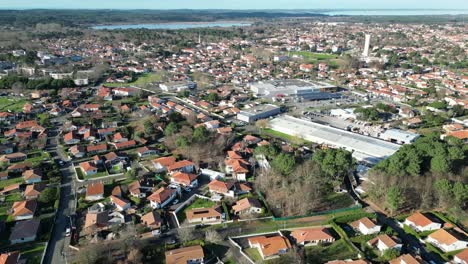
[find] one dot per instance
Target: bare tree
(213, 236)
(186, 234)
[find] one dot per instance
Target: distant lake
(187, 25)
(394, 12)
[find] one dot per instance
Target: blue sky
(235, 4)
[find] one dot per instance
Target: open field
(322, 253)
(312, 57)
(143, 80)
(12, 104)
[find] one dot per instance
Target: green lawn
(339, 200)
(308, 55)
(277, 134)
(12, 104)
(4, 183)
(253, 254)
(14, 197)
(322, 254)
(37, 157)
(143, 80)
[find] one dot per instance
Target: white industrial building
(343, 113)
(258, 112)
(364, 148)
(177, 86)
(300, 89)
(399, 136)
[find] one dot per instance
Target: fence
(319, 213)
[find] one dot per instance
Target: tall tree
(394, 199)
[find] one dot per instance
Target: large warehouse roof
(364, 148)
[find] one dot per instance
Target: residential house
(189, 255)
(120, 203)
(185, 179)
(237, 167)
(15, 187)
(137, 190)
(117, 191)
(224, 188)
(19, 167)
(15, 157)
(106, 131)
(118, 138)
(247, 206)
(24, 231)
(71, 139)
(312, 236)
(211, 215)
(32, 176)
(269, 247)
(12, 257)
(421, 222)
(145, 152)
(162, 197)
(88, 168)
(92, 149)
(24, 210)
(96, 221)
(77, 151)
(3, 175)
(461, 258)
(182, 166)
(384, 242)
(91, 107)
(251, 140)
(94, 191)
(33, 191)
(366, 226)
(350, 261)
(214, 175)
(447, 240)
(153, 221)
(124, 144)
(406, 259)
(161, 164)
(6, 148)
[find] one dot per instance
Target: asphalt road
(58, 243)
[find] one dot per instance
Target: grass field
(312, 57)
(37, 157)
(276, 134)
(143, 80)
(323, 254)
(12, 104)
(11, 181)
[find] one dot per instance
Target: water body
(394, 12)
(175, 25)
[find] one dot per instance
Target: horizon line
(239, 9)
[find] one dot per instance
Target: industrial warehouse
(295, 89)
(364, 148)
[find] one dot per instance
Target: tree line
(12, 81)
(428, 174)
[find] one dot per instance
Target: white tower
(365, 53)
